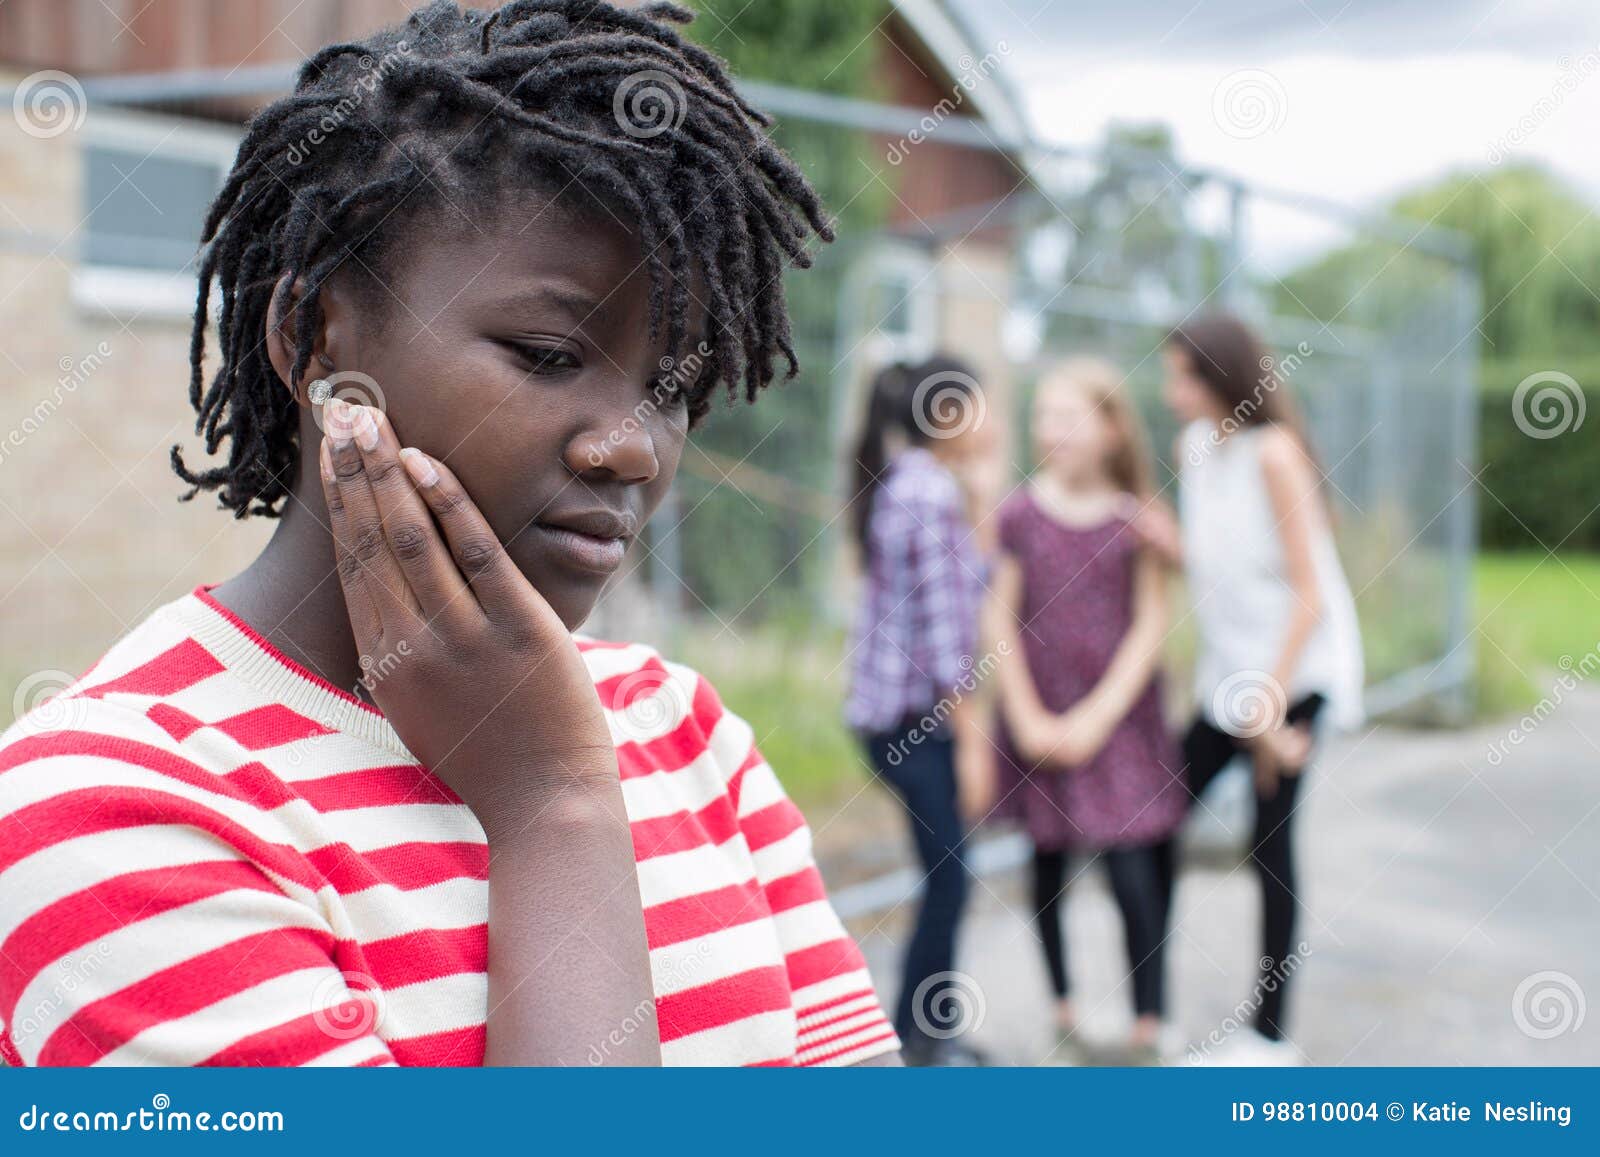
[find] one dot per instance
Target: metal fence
(1371, 320)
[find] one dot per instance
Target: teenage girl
(1086, 761)
(1279, 644)
(912, 689)
(511, 845)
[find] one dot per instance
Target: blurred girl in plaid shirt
(913, 671)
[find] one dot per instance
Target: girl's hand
(975, 779)
(470, 665)
(1067, 740)
(1033, 734)
(1157, 528)
(983, 479)
(1278, 753)
(1081, 731)
(485, 686)
(982, 475)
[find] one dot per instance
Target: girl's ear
(285, 316)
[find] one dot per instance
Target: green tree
(747, 554)
(1538, 254)
(1535, 245)
(1536, 250)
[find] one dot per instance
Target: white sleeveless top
(1239, 586)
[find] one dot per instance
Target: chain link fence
(1371, 323)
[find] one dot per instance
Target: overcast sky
(1353, 99)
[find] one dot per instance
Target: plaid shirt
(918, 620)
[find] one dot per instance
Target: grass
(789, 685)
(1535, 614)
(1545, 608)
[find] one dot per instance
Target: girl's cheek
(669, 456)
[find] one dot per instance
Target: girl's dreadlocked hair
(608, 105)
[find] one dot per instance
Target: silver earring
(319, 392)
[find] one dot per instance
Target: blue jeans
(923, 775)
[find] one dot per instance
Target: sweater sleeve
(840, 1020)
(141, 925)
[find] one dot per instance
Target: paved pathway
(1452, 910)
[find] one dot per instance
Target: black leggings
(1206, 751)
(1140, 881)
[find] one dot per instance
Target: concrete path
(1452, 910)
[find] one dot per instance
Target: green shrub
(1539, 491)
(789, 685)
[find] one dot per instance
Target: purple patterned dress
(1077, 602)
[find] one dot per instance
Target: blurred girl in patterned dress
(1086, 762)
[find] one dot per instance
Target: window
(147, 183)
(891, 305)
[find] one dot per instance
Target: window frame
(131, 292)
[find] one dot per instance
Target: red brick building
(126, 114)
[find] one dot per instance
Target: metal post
(1459, 700)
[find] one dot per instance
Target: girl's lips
(587, 552)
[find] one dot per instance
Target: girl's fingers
(364, 617)
(414, 542)
(1266, 761)
(366, 564)
(482, 560)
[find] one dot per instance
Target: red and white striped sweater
(210, 856)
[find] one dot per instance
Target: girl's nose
(623, 451)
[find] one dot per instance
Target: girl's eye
(548, 360)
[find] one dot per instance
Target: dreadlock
(459, 104)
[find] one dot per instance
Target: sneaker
(1070, 1050)
(1248, 1049)
(1172, 1044)
(1140, 1055)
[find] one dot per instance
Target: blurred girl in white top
(1279, 645)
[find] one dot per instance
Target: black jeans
(1139, 878)
(1206, 751)
(923, 775)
